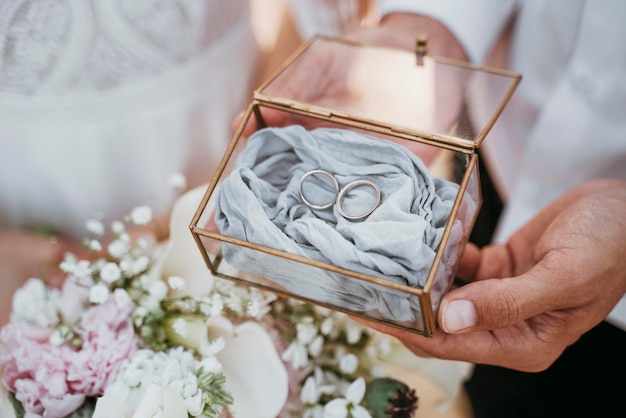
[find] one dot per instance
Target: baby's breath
(141, 215)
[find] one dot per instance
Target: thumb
(500, 302)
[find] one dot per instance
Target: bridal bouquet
(142, 329)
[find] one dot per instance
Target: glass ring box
(357, 192)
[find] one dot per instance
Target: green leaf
(17, 406)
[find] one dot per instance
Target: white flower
(177, 181)
(95, 227)
(142, 363)
(99, 293)
(141, 215)
(126, 266)
(118, 227)
(250, 357)
(353, 332)
(118, 248)
(155, 401)
(121, 296)
(350, 405)
(235, 303)
(254, 308)
(310, 396)
(246, 353)
(142, 244)
(158, 290)
(180, 327)
(181, 256)
(378, 370)
(139, 314)
(306, 333)
(58, 336)
(327, 325)
(195, 403)
(110, 272)
(383, 346)
(316, 346)
(214, 347)
(258, 302)
(211, 364)
(217, 305)
(312, 390)
(150, 303)
(315, 411)
(29, 300)
(348, 363)
(94, 245)
(140, 264)
(322, 311)
(308, 393)
(176, 282)
(297, 354)
(78, 269)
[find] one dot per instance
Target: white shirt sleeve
(476, 23)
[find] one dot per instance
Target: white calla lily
(250, 358)
(181, 255)
(255, 375)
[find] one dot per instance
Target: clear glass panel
(387, 87)
(460, 225)
(317, 285)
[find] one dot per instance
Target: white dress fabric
(565, 123)
(102, 101)
(329, 17)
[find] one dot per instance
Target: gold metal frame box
(433, 112)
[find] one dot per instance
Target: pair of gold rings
(339, 194)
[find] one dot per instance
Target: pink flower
(54, 380)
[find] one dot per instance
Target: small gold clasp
(421, 48)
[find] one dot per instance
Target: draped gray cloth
(260, 202)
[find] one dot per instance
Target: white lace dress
(101, 101)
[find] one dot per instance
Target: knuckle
(503, 309)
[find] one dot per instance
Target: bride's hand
(376, 85)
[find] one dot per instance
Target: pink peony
(55, 380)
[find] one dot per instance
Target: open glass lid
(396, 91)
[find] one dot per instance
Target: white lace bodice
(102, 100)
(73, 47)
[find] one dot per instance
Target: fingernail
(458, 315)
